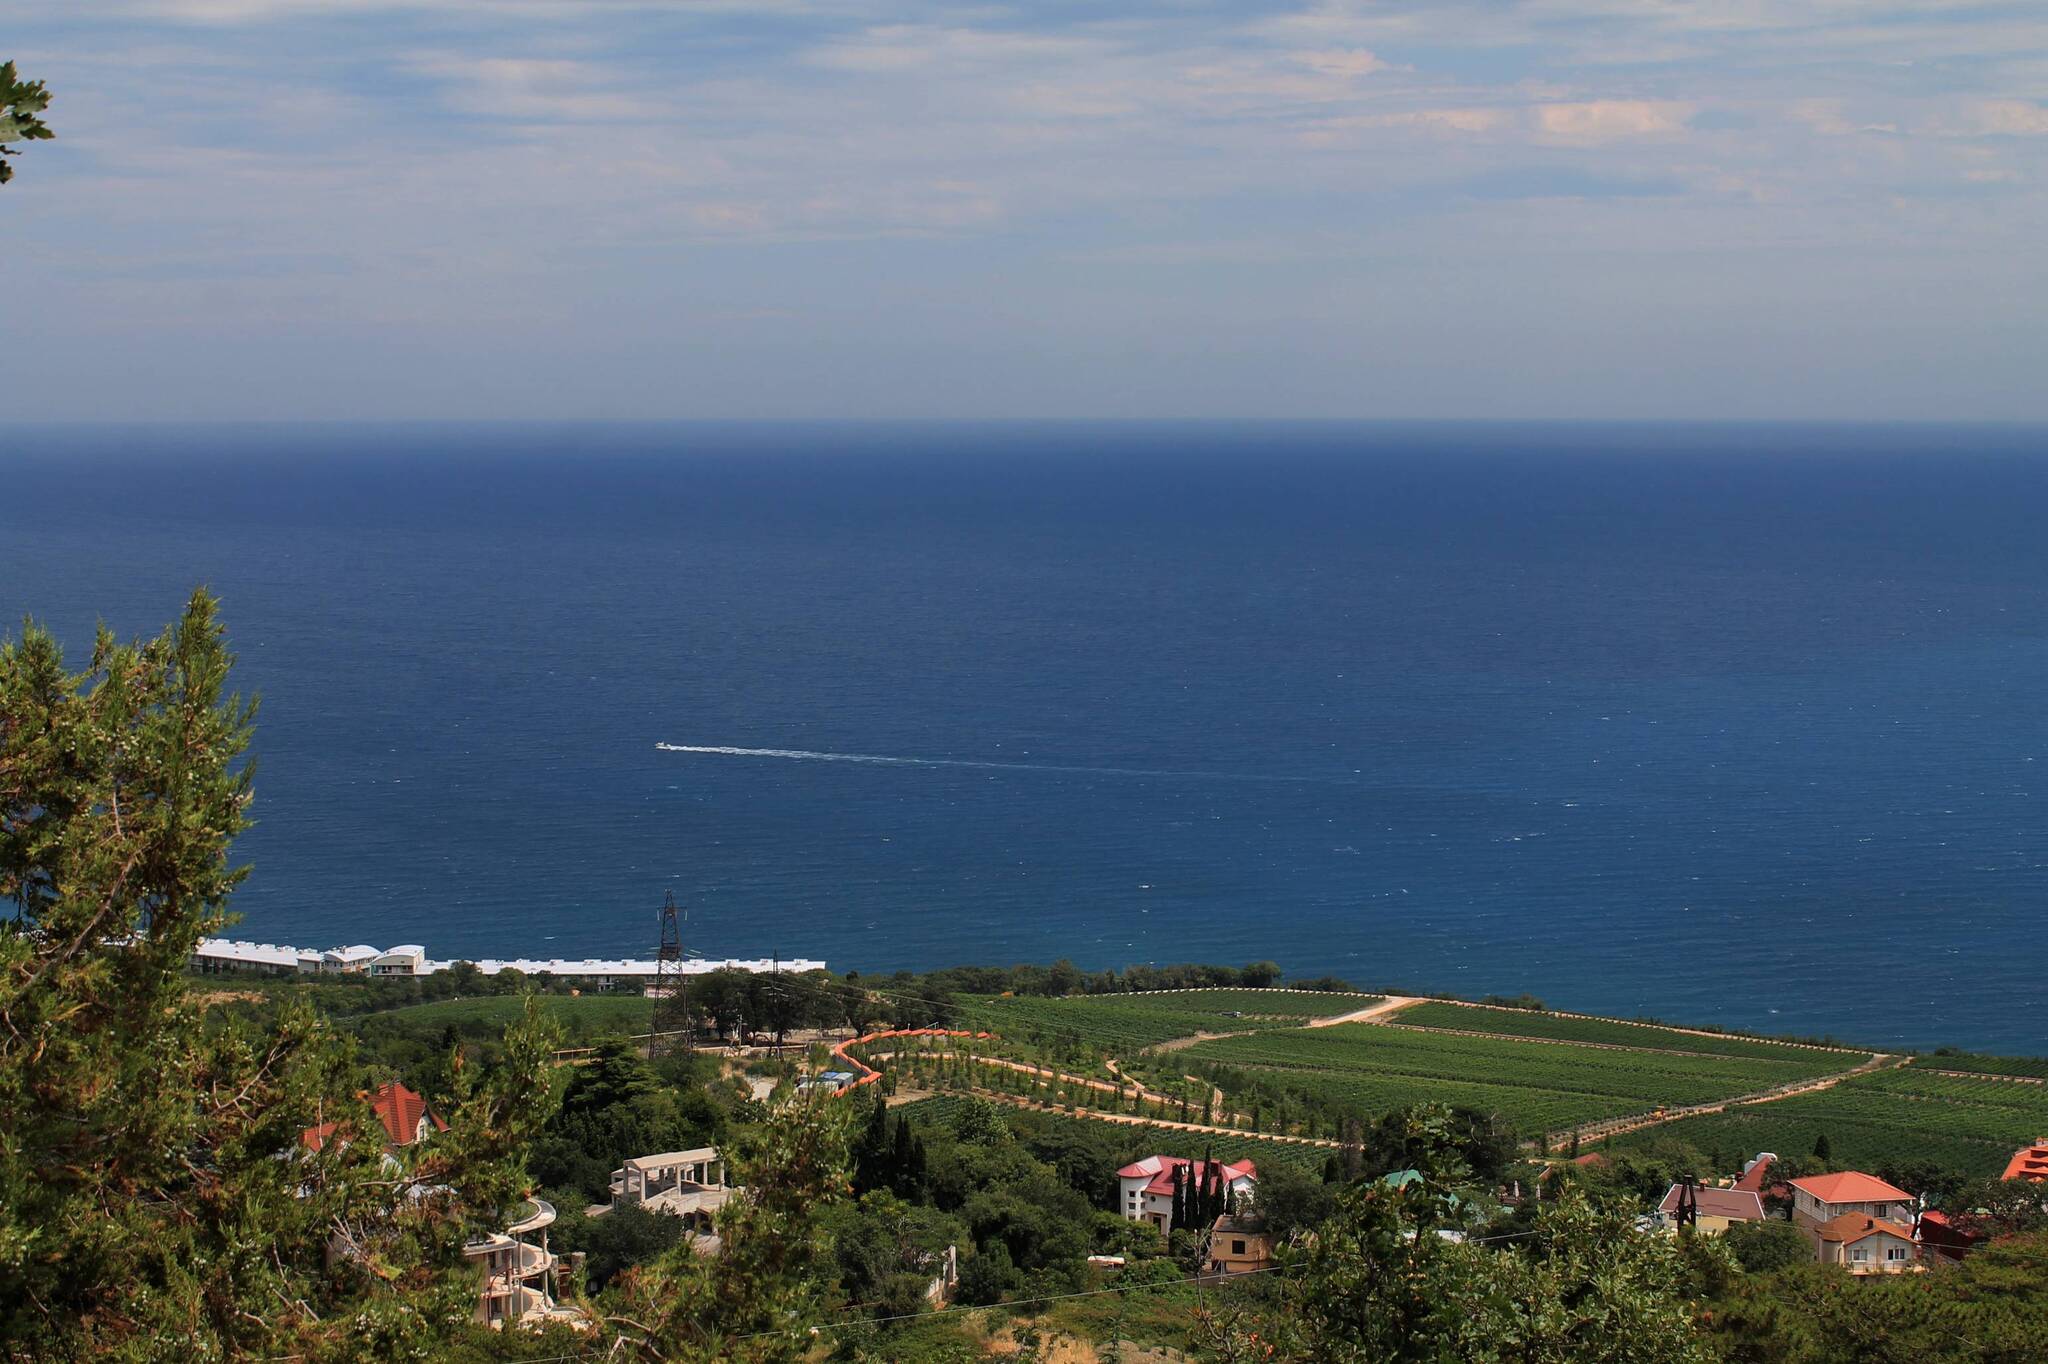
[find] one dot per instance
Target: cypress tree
(902, 1171)
(871, 1168)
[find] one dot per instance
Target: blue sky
(881, 208)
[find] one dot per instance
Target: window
(1895, 1253)
(1237, 1247)
(1860, 1253)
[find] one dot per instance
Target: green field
(1563, 1028)
(582, 1016)
(1538, 1086)
(1132, 1141)
(1132, 1022)
(1891, 1115)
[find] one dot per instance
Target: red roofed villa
(2030, 1163)
(1145, 1187)
(405, 1116)
(517, 1270)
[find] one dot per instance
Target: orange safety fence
(869, 1073)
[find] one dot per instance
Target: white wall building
(1145, 1187)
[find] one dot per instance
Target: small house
(1239, 1244)
(1714, 1210)
(1863, 1244)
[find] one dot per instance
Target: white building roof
(254, 953)
(268, 954)
(669, 1159)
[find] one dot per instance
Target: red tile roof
(400, 1110)
(397, 1107)
(1756, 1175)
(2030, 1163)
(1852, 1227)
(1740, 1205)
(1160, 1170)
(1850, 1186)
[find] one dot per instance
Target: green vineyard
(1536, 1085)
(1893, 1115)
(1133, 1022)
(2033, 1066)
(1565, 1028)
(1131, 1141)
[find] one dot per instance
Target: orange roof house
(1867, 1245)
(1756, 1175)
(404, 1114)
(1850, 1186)
(1821, 1199)
(2030, 1163)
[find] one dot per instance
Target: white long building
(410, 959)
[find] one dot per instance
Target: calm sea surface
(1738, 724)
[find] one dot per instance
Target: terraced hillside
(1538, 1085)
(1965, 1123)
(1133, 1022)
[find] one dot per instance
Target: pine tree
(144, 1209)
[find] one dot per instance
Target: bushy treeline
(1064, 978)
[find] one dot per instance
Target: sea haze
(1729, 724)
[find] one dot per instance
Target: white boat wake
(811, 755)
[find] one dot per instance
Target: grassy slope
(582, 1016)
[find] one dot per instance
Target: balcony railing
(534, 1214)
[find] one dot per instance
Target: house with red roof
(1863, 1244)
(1714, 1209)
(517, 1271)
(2029, 1163)
(1820, 1199)
(404, 1115)
(1145, 1187)
(1756, 1172)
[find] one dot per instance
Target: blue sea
(1732, 724)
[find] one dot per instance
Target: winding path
(1371, 1013)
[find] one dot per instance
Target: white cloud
(1829, 118)
(535, 90)
(2012, 118)
(1339, 61)
(1605, 120)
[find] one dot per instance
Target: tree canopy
(20, 103)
